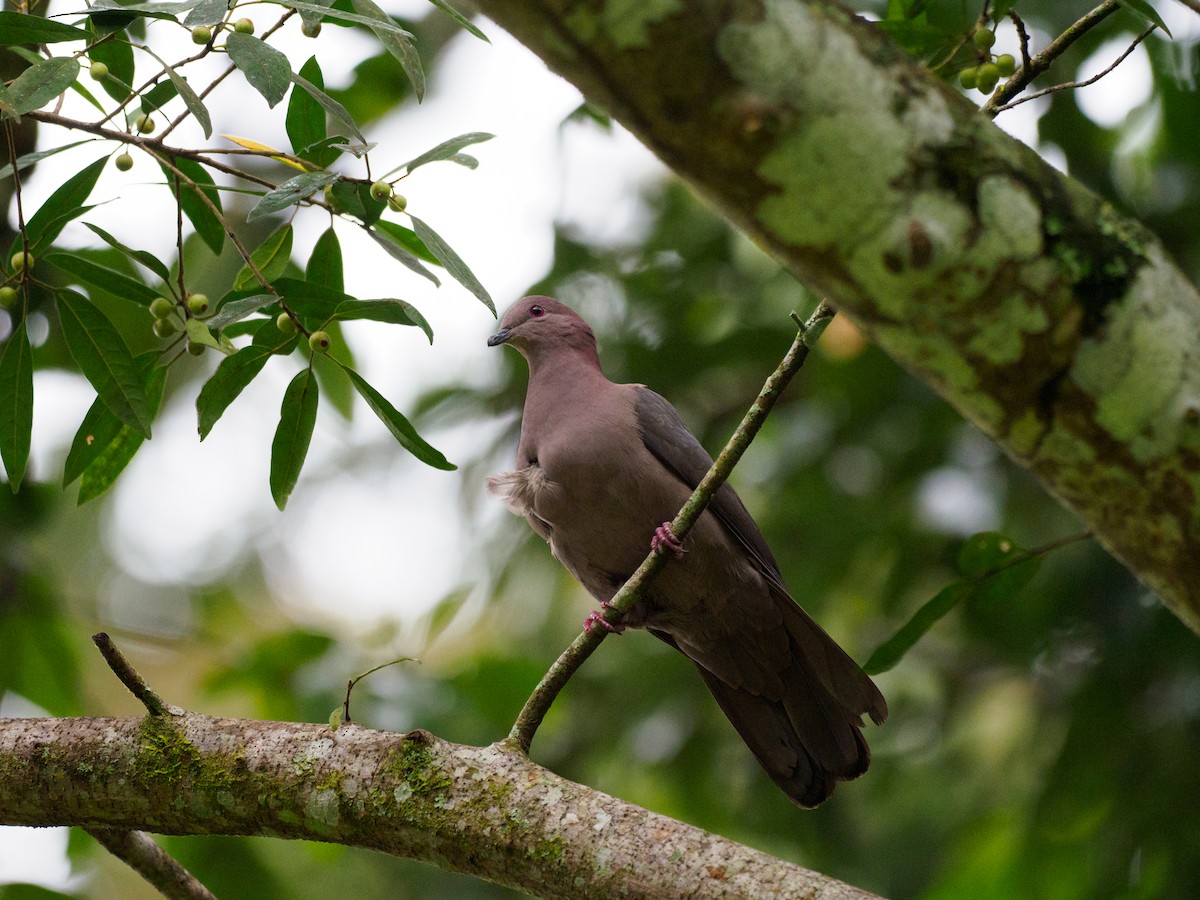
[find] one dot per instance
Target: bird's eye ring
(536, 311)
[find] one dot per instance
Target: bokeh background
(1044, 746)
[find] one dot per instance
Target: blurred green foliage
(1045, 745)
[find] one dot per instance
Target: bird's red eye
(536, 311)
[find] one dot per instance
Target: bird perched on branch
(602, 468)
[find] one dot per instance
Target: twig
(138, 850)
(1077, 84)
(128, 675)
(582, 647)
(1023, 35)
(1040, 63)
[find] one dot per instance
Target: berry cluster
(987, 74)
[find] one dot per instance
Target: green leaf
(65, 204)
(158, 96)
(98, 429)
(28, 159)
(104, 359)
(445, 150)
(149, 260)
(459, 18)
(982, 552)
(399, 426)
(452, 262)
(271, 258)
(16, 404)
(383, 22)
(305, 120)
(297, 417)
(267, 70)
(407, 238)
(236, 306)
(1005, 584)
(206, 12)
(892, 650)
(354, 199)
(325, 263)
(20, 28)
(117, 54)
(108, 280)
(393, 312)
(291, 192)
(198, 332)
(41, 83)
(1143, 9)
(331, 106)
(235, 372)
(190, 99)
(315, 12)
(203, 217)
(114, 456)
(310, 299)
(383, 236)
(398, 42)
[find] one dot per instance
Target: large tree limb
(1058, 326)
(486, 811)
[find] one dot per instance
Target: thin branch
(128, 675)
(1077, 84)
(584, 645)
(1056, 48)
(138, 850)
(1023, 35)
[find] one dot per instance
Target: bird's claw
(596, 618)
(664, 539)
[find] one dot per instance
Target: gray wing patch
(667, 437)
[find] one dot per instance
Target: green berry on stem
(201, 34)
(8, 296)
(195, 349)
(161, 307)
(22, 261)
(98, 71)
(164, 327)
(319, 341)
(124, 162)
(1006, 64)
(243, 26)
(397, 202)
(381, 190)
(968, 78)
(145, 123)
(988, 76)
(984, 39)
(285, 323)
(198, 304)
(310, 31)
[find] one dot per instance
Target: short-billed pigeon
(600, 468)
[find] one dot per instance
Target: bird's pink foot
(596, 618)
(664, 539)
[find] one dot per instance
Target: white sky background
(336, 556)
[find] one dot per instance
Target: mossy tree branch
(1058, 326)
(485, 811)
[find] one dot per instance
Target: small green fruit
(286, 324)
(98, 71)
(319, 341)
(8, 296)
(22, 261)
(381, 190)
(987, 77)
(1006, 64)
(124, 162)
(165, 327)
(397, 202)
(243, 26)
(161, 307)
(145, 123)
(310, 31)
(201, 34)
(195, 349)
(198, 304)
(968, 78)
(984, 39)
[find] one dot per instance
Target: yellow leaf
(264, 148)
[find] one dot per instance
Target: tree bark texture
(485, 811)
(1056, 325)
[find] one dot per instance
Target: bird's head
(541, 326)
